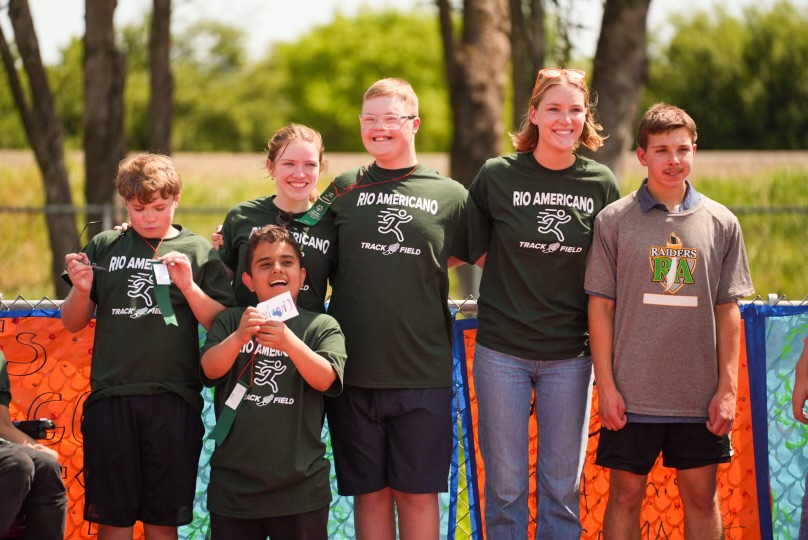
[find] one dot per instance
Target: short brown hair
(662, 117)
(147, 176)
(270, 234)
(527, 138)
(396, 88)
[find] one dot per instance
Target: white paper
(280, 308)
(161, 274)
(236, 396)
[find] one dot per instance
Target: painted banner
(49, 370)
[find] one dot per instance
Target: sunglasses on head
(552, 73)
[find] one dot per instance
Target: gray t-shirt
(667, 272)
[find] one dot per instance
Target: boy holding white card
(271, 365)
(149, 288)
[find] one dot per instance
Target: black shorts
(141, 456)
(636, 447)
(397, 438)
(309, 525)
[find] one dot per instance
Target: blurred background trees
(473, 63)
(742, 77)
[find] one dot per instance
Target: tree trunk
(44, 132)
(527, 52)
(162, 81)
(476, 66)
(104, 78)
(619, 74)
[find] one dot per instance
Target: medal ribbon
(228, 414)
(162, 284)
(320, 207)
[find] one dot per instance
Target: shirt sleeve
(736, 280)
(329, 342)
(478, 218)
(601, 261)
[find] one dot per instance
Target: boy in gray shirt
(664, 275)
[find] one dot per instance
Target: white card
(280, 308)
(236, 396)
(161, 274)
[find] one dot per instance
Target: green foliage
(67, 85)
(326, 72)
(12, 133)
(212, 48)
(744, 80)
(773, 241)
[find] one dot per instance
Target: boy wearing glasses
(149, 288)
(397, 224)
(269, 474)
(664, 276)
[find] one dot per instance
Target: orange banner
(662, 516)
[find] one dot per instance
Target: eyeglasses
(388, 121)
(553, 73)
(76, 246)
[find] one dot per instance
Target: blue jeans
(504, 386)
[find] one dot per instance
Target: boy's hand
(276, 335)
(251, 322)
(798, 399)
(611, 409)
(50, 451)
(721, 413)
(217, 238)
(179, 268)
(80, 271)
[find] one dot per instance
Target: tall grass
(775, 242)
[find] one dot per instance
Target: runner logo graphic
(390, 219)
(550, 220)
(140, 285)
(267, 371)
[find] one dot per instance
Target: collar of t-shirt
(647, 201)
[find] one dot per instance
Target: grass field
(775, 242)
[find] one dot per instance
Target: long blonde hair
(527, 138)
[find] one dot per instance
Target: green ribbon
(228, 414)
(320, 207)
(162, 292)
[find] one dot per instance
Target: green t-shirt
(318, 244)
(135, 352)
(536, 226)
(272, 462)
(5, 383)
(391, 288)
